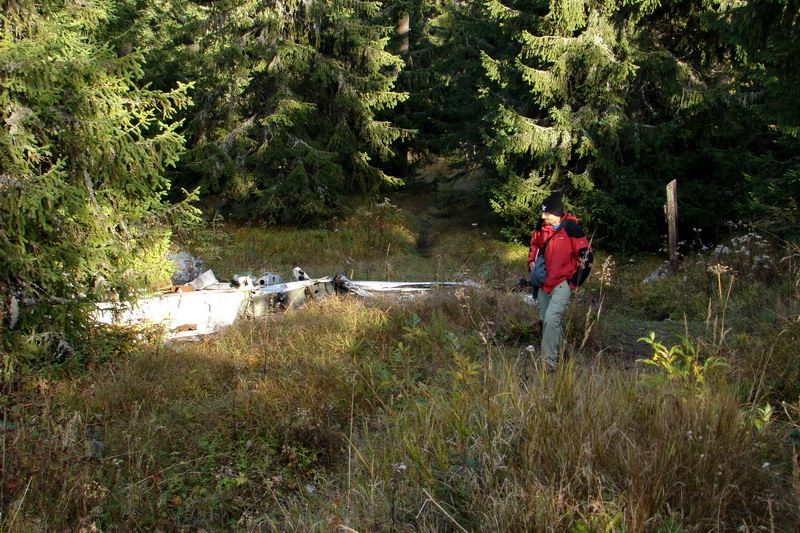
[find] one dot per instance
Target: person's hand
(529, 267)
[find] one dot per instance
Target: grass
(381, 243)
(428, 414)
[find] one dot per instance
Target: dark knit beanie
(553, 204)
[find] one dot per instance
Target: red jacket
(568, 255)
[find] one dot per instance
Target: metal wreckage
(206, 305)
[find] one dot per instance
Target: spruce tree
(286, 122)
(768, 32)
(557, 87)
(609, 102)
(443, 77)
(82, 175)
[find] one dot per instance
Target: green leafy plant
(463, 368)
(679, 363)
(762, 417)
(400, 380)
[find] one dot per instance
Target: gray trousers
(552, 307)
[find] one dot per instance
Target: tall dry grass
(420, 415)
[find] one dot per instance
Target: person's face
(550, 219)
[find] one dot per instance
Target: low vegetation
(675, 408)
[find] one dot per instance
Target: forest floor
(432, 413)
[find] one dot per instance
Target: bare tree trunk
(402, 31)
(403, 34)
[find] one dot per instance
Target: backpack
(539, 271)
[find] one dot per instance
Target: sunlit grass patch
(238, 249)
(373, 244)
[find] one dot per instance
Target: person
(568, 260)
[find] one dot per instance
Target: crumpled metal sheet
(197, 312)
(404, 287)
(217, 305)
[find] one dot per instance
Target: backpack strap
(541, 250)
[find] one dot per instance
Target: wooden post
(672, 222)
